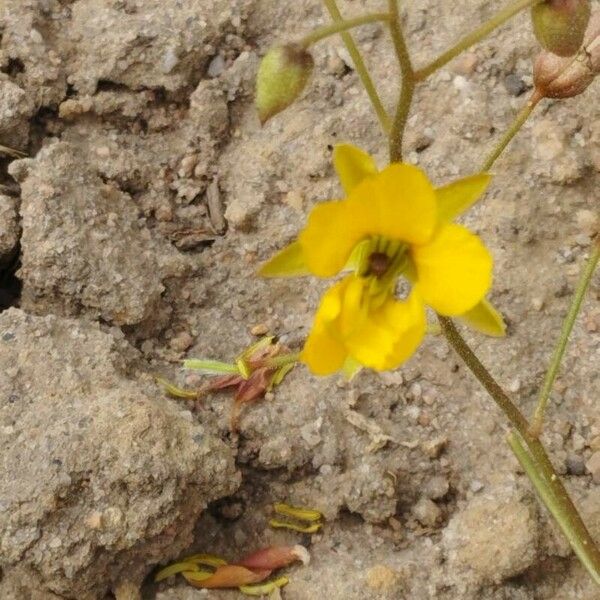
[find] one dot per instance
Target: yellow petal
(352, 165)
(454, 270)
(390, 334)
(323, 351)
(288, 262)
(485, 318)
(459, 196)
(398, 203)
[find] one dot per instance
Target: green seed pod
(560, 25)
(282, 76)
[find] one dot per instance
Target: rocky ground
(130, 238)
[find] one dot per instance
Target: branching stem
(475, 36)
(407, 83)
(340, 26)
(361, 68)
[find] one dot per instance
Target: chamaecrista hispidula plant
(391, 224)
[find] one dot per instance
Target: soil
(130, 238)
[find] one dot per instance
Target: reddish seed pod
(558, 77)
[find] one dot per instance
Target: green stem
(475, 36)
(408, 83)
(360, 67)
(567, 328)
(559, 493)
(339, 26)
(547, 496)
(516, 125)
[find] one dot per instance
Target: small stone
(433, 448)
(578, 442)
(392, 378)
(476, 486)
(537, 303)
(187, 165)
(514, 386)
(592, 323)
(216, 66)
(428, 513)
(465, 64)
(437, 487)
(295, 200)
(588, 221)
(128, 591)
(514, 85)
(593, 466)
(94, 520)
(382, 578)
(575, 464)
(260, 329)
(181, 342)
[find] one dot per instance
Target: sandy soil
(151, 195)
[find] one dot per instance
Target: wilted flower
(256, 371)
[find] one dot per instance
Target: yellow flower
(392, 224)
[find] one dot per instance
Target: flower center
(378, 264)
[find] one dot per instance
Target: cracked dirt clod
(91, 449)
(83, 250)
(494, 536)
(164, 45)
(16, 108)
(10, 230)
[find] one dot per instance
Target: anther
(379, 263)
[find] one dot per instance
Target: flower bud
(557, 77)
(559, 25)
(282, 75)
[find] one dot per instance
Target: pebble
(382, 578)
(578, 442)
(537, 303)
(427, 512)
(514, 85)
(433, 448)
(465, 64)
(216, 66)
(260, 329)
(514, 386)
(437, 487)
(181, 342)
(575, 464)
(476, 486)
(593, 466)
(588, 221)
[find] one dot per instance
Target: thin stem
(408, 83)
(361, 68)
(556, 509)
(516, 125)
(461, 347)
(543, 462)
(339, 26)
(567, 328)
(475, 36)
